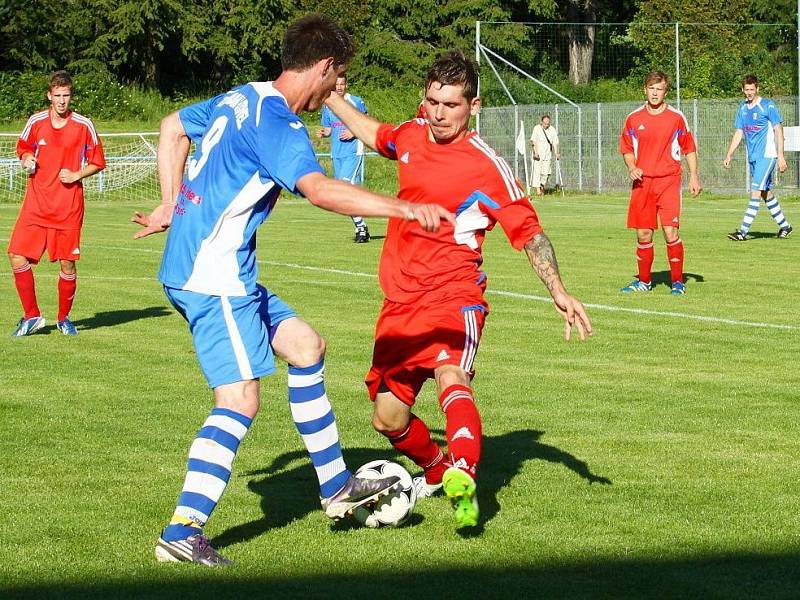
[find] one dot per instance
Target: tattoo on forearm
(543, 259)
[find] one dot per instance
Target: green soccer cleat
(460, 489)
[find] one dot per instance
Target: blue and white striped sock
(775, 210)
(359, 222)
(210, 461)
(750, 214)
(313, 416)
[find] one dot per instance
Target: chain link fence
(589, 142)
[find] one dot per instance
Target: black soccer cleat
(785, 232)
(357, 492)
(362, 235)
(737, 236)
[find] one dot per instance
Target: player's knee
(309, 350)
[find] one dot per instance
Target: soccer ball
(393, 509)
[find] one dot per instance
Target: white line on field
(606, 307)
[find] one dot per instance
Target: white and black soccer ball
(393, 509)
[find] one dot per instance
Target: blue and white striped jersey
(249, 146)
(757, 123)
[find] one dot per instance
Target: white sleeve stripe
(514, 192)
(33, 119)
(502, 164)
(87, 123)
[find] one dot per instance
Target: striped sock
(359, 222)
(750, 214)
(210, 462)
(462, 428)
(26, 289)
(675, 257)
(313, 416)
(67, 285)
(775, 210)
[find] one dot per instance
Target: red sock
(644, 258)
(675, 256)
(463, 428)
(26, 289)
(67, 284)
(415, 442)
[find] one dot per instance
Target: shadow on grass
(729, 576)
(289, 490)
(112, 318)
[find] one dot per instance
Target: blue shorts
(350, 168)
(232, 334)
(761, 173)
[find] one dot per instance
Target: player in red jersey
(652, 141)
(58, 148)
(434, 308)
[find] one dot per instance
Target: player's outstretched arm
(735, 141)
(351, 200)
(542, 257)
(361, 125)
(173, 148)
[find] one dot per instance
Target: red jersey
(48, 202)
(470, 180)
(657, 141)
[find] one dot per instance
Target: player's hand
(346, 135)
(29, 163)
(430, 216)
(321, 132)
(635, 174)
(67, 176)
(781, 164)
(694, 185)
(727, 162)
(574, 315)
(157, 221)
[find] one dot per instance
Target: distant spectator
(544, 142)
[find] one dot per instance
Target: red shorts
(31, 241)
(655, 198)
(413, 340)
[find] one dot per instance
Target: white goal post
(130, 173)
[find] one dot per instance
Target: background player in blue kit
(759, 121)
(250, 144)
(347, 151)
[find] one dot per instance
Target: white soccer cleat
(425, 489)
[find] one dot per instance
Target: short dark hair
(455, 68)
(59, 79)
(545, 116)
(656, 77)
(750, 80)
(310, 39)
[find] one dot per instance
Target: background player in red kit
(434, 308)
(58, 148)
(652, 141)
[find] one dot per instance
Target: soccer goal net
(130, 172)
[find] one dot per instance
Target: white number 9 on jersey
(210, 139)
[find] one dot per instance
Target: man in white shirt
(544, 142)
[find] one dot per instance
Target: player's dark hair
(455, 68)
(545, 116)
(312, 38)
(656, 77)
(59, 79)
(750, 80)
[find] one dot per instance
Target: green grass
(657, 459)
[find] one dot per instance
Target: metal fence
(589, 142)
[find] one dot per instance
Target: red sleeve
(23, 143)
(625, 141)
(94, 150)
(387, 136)
(686, 141)
(519, 222)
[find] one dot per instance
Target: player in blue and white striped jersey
(250, 145)
(759, 122)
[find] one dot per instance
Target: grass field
(658, 459)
